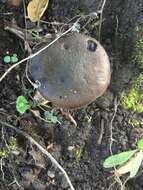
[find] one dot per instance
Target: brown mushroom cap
(73, 72)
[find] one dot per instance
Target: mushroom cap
(73, 71)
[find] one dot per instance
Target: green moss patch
(138, 48)
(133, 99)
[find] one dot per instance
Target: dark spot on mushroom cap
(91, 45)
(72, 77)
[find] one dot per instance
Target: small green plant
(76, 28)
(22, 104)
(135, 122)
(78, 153)
(133, 99)
(5, 152)
(12, 144)
(50, 117)
(128, 161)
(138, 49)
(10, 59)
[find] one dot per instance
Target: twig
(116, 104)
(37, 53)
(69, 116)
(24, 8)
(111, 185)
(122, 188)
(117, 26)
(101, 17)
(32, 141)
(1, 167)
(14, 181)
(111, 124)
(101, 132)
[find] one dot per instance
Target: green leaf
(140, 144)
(7, 59)
(14, 58)
(136, 164)
(118, 159)
(22, 104)
(54, 119)
(49, 116)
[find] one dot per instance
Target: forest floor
(102, 127)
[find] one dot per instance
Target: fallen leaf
(14, 2)
(125, 168)
(118, 159)
(36, 9)
(131, 165)
(136, 164)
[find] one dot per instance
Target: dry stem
(36, 53)
(116, 104)
(32, 141)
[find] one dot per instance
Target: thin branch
(111, 124)
(36, 53)
(116, 104)
(101, 132)
(32, 141)
(1, 168)
(101, 17)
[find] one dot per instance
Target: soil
(80, 150)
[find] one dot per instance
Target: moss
(11, 146)
(133, 99)
(138, 48)
(78, 153)
(135, 122)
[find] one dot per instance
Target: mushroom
(72, 72)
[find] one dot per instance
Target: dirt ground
(91, 138)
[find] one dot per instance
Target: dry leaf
(36, 113)
(125, 168)
(130, 165)
(14, 2)
(36, 9)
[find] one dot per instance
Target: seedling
(12, 146)
(133, 99)
(76, 28)
(10, 59)
(128, 161)
(22, 104)
(50, 117)
(14, 58)
(6, 59)
(78, 153)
